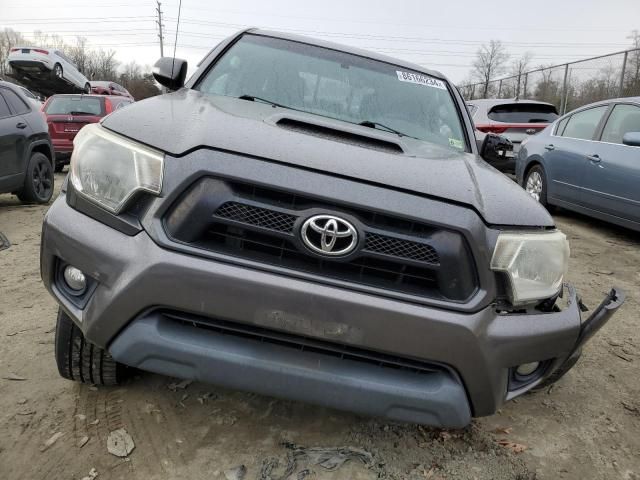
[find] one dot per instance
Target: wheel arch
(41, 146)
(532, 162)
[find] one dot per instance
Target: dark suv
(312, 221)
(26, 156)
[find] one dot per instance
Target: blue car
(588, 161)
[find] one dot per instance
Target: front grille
(283, 222)
(262, 225)
(265, 248)
(260, 217)
(395, 247)
(303, 343)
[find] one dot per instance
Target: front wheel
(535, 184)
(87, 88)
(79, 360)
(38, 180)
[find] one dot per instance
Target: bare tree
(80, 55)
(490, 62)
(632, 72)
(102, 65)
(42, 39)
(549, 87)
(519, 67)
(9, 38)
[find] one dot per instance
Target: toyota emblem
(329, 235)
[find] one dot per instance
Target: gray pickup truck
(309, 221)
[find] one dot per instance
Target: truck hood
(186, 120)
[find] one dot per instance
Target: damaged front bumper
(183, 315)
(588, 328)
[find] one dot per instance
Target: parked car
(513, 118)
(110, 88)
(43, 65)
(67, 114)
(588, 161)
(311, 221)
(26, 155)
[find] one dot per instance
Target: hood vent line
(339, 135)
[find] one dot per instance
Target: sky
(442, 35)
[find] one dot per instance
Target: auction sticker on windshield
(420, 79)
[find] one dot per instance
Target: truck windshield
(338, 85)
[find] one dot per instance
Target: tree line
(587, 82)
(95, 64)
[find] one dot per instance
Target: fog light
(527, 369)
(74, 278)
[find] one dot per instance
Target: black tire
(57, 71)
(82, 361)
(87, 88)
(535, 184)
(38, 180)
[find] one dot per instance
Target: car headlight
(534, 263)
(108, 168)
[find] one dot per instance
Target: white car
(36, 61)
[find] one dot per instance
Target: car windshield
(74, 106)
(99, 84)
(338, 85)
(523, 113)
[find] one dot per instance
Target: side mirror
(632, 139)
(170, 72)
(496, 148)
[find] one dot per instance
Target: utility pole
(159, 22)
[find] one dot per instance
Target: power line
(55, 21)
(429, 52)
(448, 26)
(397, 38)
(59, 20)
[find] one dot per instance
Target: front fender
(39, 140)
(523, 163)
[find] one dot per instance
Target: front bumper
(134, 278)
(63, 150)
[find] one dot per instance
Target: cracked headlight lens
(108, 169)
(534, 263)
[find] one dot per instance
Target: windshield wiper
(252, 98)
(380, 126)
(80, 113)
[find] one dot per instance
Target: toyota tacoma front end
(312, 222)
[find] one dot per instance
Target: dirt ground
(587, 426)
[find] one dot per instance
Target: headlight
(534, 263)
(108, 169)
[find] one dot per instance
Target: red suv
(67, 114)
(110, 88)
